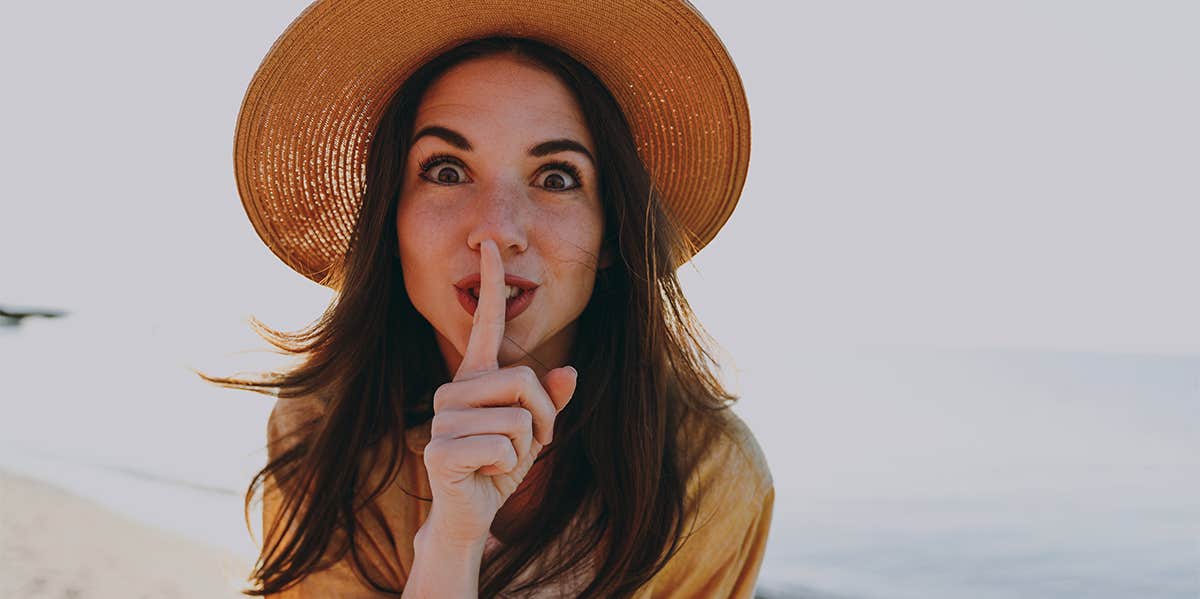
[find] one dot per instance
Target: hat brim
(305, 122)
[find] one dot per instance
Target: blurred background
(958, 298)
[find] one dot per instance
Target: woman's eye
(560, 179)
(440, 169)
(448, 174)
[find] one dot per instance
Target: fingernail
(575, 371)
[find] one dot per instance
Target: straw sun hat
(305, 123)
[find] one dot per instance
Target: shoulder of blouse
(730, 458)
(287, 416)
(730, 500)
(385, 526)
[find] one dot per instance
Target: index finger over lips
(487, 326)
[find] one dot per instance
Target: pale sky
(1018, 174)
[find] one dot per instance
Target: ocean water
(900, 472)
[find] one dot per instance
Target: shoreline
(55, 543)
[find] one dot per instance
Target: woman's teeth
(509, 292)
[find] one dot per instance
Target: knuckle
(435, 453)
(440, 424)
(511, 459)
(503, 447)
(524, 418)
(526, 375)
(441, 396)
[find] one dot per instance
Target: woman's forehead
(502, 95)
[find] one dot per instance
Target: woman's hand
(489, 423)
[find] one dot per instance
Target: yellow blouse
(720, 559)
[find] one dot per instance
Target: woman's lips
(512, 307)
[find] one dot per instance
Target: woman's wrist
(443, 567)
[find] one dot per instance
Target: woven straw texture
(309, 111)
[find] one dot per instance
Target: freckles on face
(501, 151)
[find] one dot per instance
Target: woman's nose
(499, 213)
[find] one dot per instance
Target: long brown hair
(643, 360)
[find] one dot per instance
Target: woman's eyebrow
(560, 145)
(450, 136)
(545, 148)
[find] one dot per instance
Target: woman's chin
(510, 355)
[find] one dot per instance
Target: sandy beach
(55, 544)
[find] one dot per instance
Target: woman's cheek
(415, 254)
(576, 256)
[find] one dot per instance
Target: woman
(509, 395)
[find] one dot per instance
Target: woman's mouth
(517, 299)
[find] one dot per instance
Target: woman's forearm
(443, 569)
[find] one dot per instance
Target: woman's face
(501, 151)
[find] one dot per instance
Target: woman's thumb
(560, 385)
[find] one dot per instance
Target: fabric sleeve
(374, 546)
(721, 558)
(726, 530)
